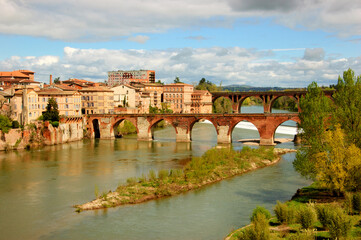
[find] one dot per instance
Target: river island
(214, 165)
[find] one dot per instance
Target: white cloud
(227, 65)
(96, 20)
(139, 39)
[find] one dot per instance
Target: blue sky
(287, 43)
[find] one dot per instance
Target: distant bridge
(268, 98)
(103, 125)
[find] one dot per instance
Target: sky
(262, 43)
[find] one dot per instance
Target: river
(39, 187)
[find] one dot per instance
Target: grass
(215, 164)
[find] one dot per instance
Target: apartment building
(28, 104)
(131, 76)
(97, 100)
(178, 97)
(124, 94)
(201, 102)
(18, 77)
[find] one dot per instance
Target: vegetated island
(214, 165)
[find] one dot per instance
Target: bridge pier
(223, 135)
(182, 135)
(144, 131)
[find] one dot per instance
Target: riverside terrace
(103, 125)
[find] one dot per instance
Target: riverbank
(312, 213)
(215, 165)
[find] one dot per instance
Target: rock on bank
(43, 133)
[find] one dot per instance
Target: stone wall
(41, 134)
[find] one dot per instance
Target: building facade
(201, 102)
(126, 77)
(124, 96)
(178, 97)
(97, 100)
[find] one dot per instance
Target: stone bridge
(103, 125)
(268, 98)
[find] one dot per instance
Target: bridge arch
(284, 98)
(248, 125)
(285, 130)
(95, 127)
(117, 121)
(154, 122)
(250, 97)
(197, 120)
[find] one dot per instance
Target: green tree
(5, 124)
(315, 115)
(207, 85)
(348, 104)
(222, 105)
(52, 112)
(57, 80)
(177, 80)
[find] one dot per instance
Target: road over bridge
(103, 125)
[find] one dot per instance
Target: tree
(315, 115)
(222, 105)
(52, 112)
(177, 80)
(5, 123)
(57, 80)
(348, 104)
(207, 85)
(339, 165)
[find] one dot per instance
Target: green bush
(259, 229)
(356, 203)
(307, 217)
(55, 123)
(284, 213)
(15, 124)
(307, 235)
(260, 210)
(163, 174)
(347, 204)
(5, 123)
(324, 213)
(339, 223)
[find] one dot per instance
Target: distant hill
(246, 88)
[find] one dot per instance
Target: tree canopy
(52, 112)
(207, 85)
(331, 135)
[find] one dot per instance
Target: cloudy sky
(287, 43)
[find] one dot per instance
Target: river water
(39, 187)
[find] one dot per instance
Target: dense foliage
(207, 85)
(52, 113)
(331, 135)
(5, 123)
(222, 105)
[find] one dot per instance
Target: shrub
(260, 210)
(356, 203)
(15, 124)
(307, 217)
(339, 224)
(131, 181)
(152, 176)
(163, 174)
(284, 213)
(347, 204)
(324, 214)
(55, 123)
(258, 231)
(307, 235)
(5, 123)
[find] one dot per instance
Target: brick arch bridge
(224, 124)
(268, 98)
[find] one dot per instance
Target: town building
(18, 77)
(28, 104)
(201, 102)
(125, 99)
(132, 76)
(178, 97)
(97, 100)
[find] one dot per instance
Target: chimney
(51, 79)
